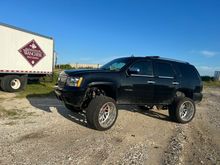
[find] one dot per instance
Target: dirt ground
(43, 131)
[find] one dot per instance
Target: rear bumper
(197, 97)
(72, 96)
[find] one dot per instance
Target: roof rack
(168, 59)
(152, 56)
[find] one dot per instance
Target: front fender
(109, 87)
(100, 83)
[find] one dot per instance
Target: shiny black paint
(134, 89)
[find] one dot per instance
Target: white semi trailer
(23, 55)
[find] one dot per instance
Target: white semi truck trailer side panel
(25, 52)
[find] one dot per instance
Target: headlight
(74, 81)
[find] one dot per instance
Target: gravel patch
(174, 150)
(136, 155)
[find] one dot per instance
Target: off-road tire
(72, 108)
(94, 108)
(175, 110)
(6, 83)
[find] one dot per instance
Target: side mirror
(133, 71)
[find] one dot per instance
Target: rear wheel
(13, 83)
(183, 110)
(101, 113)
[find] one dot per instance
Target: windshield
(116, 65)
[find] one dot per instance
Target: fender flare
(105, 83)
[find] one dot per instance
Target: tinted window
(189, 72)
(145, 67)
(164, 69)
(116, 65)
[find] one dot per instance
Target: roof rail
(174, 60)
(152, 56)
(168, 59)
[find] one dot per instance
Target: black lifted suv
(143, 81)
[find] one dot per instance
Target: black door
(165, 82)
(137, 86)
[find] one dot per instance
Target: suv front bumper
(72, 96)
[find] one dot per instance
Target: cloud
(206, 53)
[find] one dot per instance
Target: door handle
(175, 83)
(151, 82)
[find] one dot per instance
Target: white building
(217, 75)
(77, 65)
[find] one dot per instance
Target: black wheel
(183, 110)
(101, 113)
(72, 108)
(13, 83)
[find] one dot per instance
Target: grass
(22, 115)
(40, 89)
(211, 83)
(7, 113)
(14, 113)
(37, 90)
(10, 123)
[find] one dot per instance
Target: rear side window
(163, 69)
(189, 72)
(145, 67)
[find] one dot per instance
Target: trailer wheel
(13, 83)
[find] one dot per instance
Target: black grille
(62, 80)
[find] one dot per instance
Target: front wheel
(183, 110)
(101, 113)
